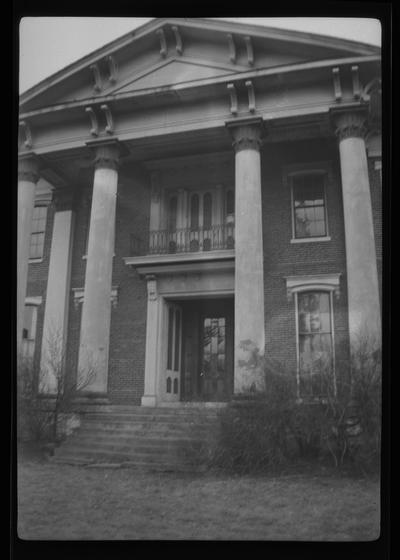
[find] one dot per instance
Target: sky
(48, 44)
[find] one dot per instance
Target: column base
(149, 400)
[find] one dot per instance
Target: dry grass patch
(60, 502)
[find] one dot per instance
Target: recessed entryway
(200, 336)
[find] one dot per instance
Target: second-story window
(230, 204)
(172, 213)
(207, 211)
(38, 232)
(309, 206)
(194, 212)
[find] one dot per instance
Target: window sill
(84, 257)
(311, 239)
(34, 261)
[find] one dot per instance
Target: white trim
(181, 258)
(34, 261)
(324, 282)
(33, 300)
(79, 296)
(313, 288)
(323, 168)
(310, 239)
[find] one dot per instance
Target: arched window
(207, 211)
(230, 203)
(194, 212)
(172, 212)
(313, 299)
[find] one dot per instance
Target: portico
(188, 206)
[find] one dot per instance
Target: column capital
(106, 153)
(28, 168)
(349, 122)
(246, 133)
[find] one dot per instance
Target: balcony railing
(185, 240)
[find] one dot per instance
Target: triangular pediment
(174, 51)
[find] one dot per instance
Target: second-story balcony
(184, 240)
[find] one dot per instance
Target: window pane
(177, 339)
(173, 202)
(309, 206)
(170, 332)
(230, 202)
(29, 312)
(315, 342)
(207, 211)
(194, 211)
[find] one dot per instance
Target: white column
(152, 344)
(96, 309)
(362, 276)
(57, 294)
(249, 257)
(27, 178)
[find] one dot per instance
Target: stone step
(141, 466)
(134, 439)
(115, 426)
(133, 445)
(149, 418)
(95, 455)
(144, 437)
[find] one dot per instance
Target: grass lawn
(61, 502)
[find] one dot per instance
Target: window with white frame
(38, 232)
(309, 216)
(313, 300)
(29, 327)
(315, 343)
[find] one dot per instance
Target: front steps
(157, 439)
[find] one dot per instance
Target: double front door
(200, 350)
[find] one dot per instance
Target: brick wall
(282, 258)
(128, 318)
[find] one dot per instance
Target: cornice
(234, 77)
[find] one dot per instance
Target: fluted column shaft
(249, 258)
(362, 276)
(96, 310)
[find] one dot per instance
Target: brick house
(195, 194)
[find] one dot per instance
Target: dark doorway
(207, 352)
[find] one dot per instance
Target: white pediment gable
(176, 51)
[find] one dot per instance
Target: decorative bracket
(151, 287)
(79, 296)
(110, 123)
(336, 84)
(93, 119)
(356, 82)
(112, 67)
(178, 39)
(251, 94)
(163, 42)
(27, 133)
(234, 102)
(96, 75)
(232, 48)
(250, 53)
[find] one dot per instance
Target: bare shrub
(43, 407)
(274, 427)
